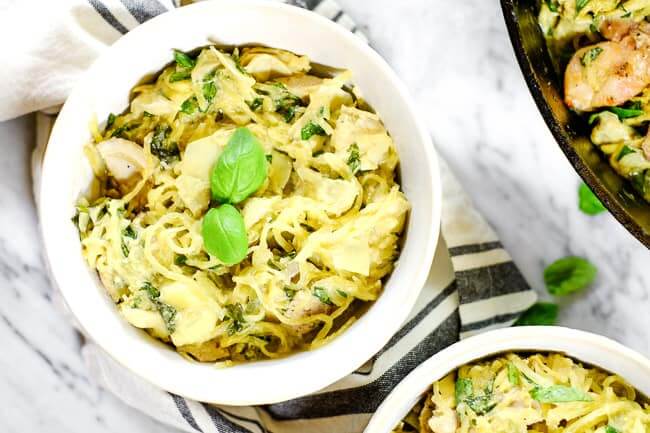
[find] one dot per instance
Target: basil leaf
(591, 55)
(341, 293)
(610, 429)
(240, 170)
(129, 232)
(311, 129)
(588, 202)
(354, 159)
(542, 313)
(463, 390)
(322, 295)
(625, 150)
(183, 60)
(179, 76)
(152, 292)
(481, 404)
(626, 113)
(569, 275)
(224, 234)
(581, 4)
(513, 374)
(558, 394)
(168, 314)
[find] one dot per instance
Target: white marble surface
(457, 61)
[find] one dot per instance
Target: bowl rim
(198, 389)
(574, 343)
(619, 212)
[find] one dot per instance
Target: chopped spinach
(183, 60)
(110, 120)
(354, 159)
(129, 232)
(209, 90)
(322, 295)
(558, 394)
(625, 150)
(311, 129)
(513, 374)
(190, 105)
(255, 104)
(180, 260)
(152, 291)
(480, 404)
(633, 109)
(161, 146)
(179, 76)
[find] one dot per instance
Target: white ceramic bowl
(105, 88)
(583, 346)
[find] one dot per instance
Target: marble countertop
(457, 62)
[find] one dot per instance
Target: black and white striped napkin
(474, 286)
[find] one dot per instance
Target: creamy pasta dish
(603, 49)
(243, 208)
(534, 393)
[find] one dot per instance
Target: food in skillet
(536, 393)
(603, 49)
(243, 208)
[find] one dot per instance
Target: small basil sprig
(542, 313)
(569, 275)
(239, 172)
(588, 202)
(224, 234)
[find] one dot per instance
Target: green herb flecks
(209, 90)
(289, 292)
(631, 110)
(110, 121)
(588, 202)
(235, 313)
(167, 312)
(129, 232)
(480, 404)
(569, 275)
(558, 394)
(591, 55)
(610, 429)
(552, 5)
(311, 129)
(180, 76)
(255, 104)
(540, 314)
(180, 260)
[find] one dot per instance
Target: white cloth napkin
(485, 290)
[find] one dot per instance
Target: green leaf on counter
(588, 202)
(569, 275)
(540, 314)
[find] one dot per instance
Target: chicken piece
(608, 73)
(124, 159)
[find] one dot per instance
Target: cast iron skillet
(569, 130)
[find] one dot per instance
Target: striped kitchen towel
(473, 286)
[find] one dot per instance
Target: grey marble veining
(457, 62)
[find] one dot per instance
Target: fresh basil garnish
(190, 105)
(558, 394)
(167, 312)
(209, 90)
(588, 202)
(224, 234)
(569, 275)
(255, 104)
(163, 148)
(480, 404)
(180, 76)
(235, 313)
(311, 129)
(632, 110)
(240, 170)
(542, 313)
